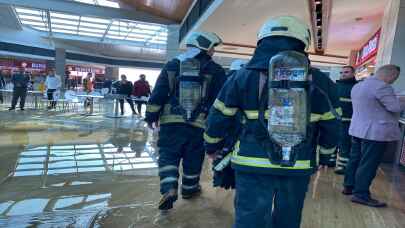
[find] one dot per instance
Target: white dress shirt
(52, 82)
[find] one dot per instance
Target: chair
(97, 100)
(71, 99)
(104, 91)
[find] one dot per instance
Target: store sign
(369, 50)
(85, 69)
(38, 65)
(26, 64)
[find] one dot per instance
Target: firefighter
(344, 86)
(223, 174)
(263, 181)
(184, 92)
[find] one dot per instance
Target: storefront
(33, 67)
(366, 57)
(78, 73)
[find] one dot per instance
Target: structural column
(392, 41)
(112, 73)
(60, 62)
(172, 48)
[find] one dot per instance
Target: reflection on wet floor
(52, 160)
(66, 170)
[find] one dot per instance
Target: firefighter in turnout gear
(223, 174)
(184, 92)
(263, 181)
(344, 87)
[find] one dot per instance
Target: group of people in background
(50, 84)
(140, 88)
(370, 120)
(269, 194)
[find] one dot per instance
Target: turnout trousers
(180, 143)
(345, 144)
(269, 201)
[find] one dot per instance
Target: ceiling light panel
(64, 31)
(106, 3)
(36, 19)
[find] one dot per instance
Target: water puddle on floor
(59, 171)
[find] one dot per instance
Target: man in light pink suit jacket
(376, 111)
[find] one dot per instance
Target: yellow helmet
(286, 26)
(203, 40)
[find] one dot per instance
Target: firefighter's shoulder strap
(332, 109)
(262, 96)
(171, 76)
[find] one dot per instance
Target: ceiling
(237, 21)
(170, 9)
(345, 33)
(113, 50)
(242, 29)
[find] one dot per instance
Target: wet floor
(66, 170)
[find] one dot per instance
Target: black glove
(224, 178)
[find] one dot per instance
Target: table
(34, 93)
(91, 102)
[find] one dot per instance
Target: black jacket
(161, 101)
(240, 94)
(2, 82)
(344, 88)
(124, 88)
(20, 80)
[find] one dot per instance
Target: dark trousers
(130, 102)
(139, 106)
(1, 97)
(269, 201)
(180, 142)
(49, 93)
(365, 157)
(19, 93)
(345, 144)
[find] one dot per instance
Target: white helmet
(203, 40)
(286, 26)
(237, 64)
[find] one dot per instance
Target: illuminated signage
(369, 50)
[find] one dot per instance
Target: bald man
(375, 118)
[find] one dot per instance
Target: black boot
(168, 199)
(191, 194)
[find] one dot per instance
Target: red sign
(5, 63)
(369, 50)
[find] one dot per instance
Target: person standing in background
(88, 84)
(52, 84)
(20, 81)
(375, 118)
(141, 89)
(125, 87)
(2, 85)
(88, 88)
(344, 88)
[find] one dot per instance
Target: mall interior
(82, 163)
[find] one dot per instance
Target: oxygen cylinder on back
(288, 115)
(190, 86)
